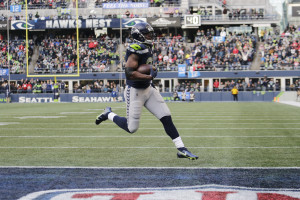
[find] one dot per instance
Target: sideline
(291, 103)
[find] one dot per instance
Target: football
(145, 69)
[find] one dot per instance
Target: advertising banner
(181, 70)
(2, 98)
(164, 22)
(170, 10)
(107, 97)
(124, 5)
(72, 23)
(74, 98)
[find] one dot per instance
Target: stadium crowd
(37, 86)
(207, 52)
(234, 52)
(59, 55)
(35, 4)
(280, 52)
(262, 84)
(16, 54)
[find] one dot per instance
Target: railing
(246, 17)
(218, 2)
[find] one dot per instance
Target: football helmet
(142, 32)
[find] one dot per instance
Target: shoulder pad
(138, 48)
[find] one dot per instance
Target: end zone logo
(206, 192)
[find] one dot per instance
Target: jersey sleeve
(138, 49)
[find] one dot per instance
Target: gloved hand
(153, 72)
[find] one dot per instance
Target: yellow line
(77, 37)
(26, 14)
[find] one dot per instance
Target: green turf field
(227, 134)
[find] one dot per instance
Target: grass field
(227, 134)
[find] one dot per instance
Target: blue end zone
(18, 182)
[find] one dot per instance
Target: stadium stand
(229, 38)
(16, 54)
(280, 51)
(36, 4)
(235, 53)
(59, 55)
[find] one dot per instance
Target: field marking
(65, 113)
(74, 167)
(192, 119)
(117, 128)
(40, 117)
(130, 136)
(27, 147)
(143, 123)
(114, 108)
(291, 103)
(8, 123)
(146, 113)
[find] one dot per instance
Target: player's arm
(131, 69)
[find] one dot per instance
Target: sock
(178, 143)
(169, 127)
(111, 116)
(120, 121)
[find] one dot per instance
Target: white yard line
(144, 136)
(65, 113)
(117, 128)
(190, 118)
(8, 123)
(291, 103)
(144, 123)
(39, 117)
(28, 147)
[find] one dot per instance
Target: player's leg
(157, 106)
(134, 104)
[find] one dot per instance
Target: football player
(139, 92)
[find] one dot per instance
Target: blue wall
(106, 97)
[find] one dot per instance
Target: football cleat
(103, 116)
(184, 153)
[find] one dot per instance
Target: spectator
(37, 16)
(216, 85)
